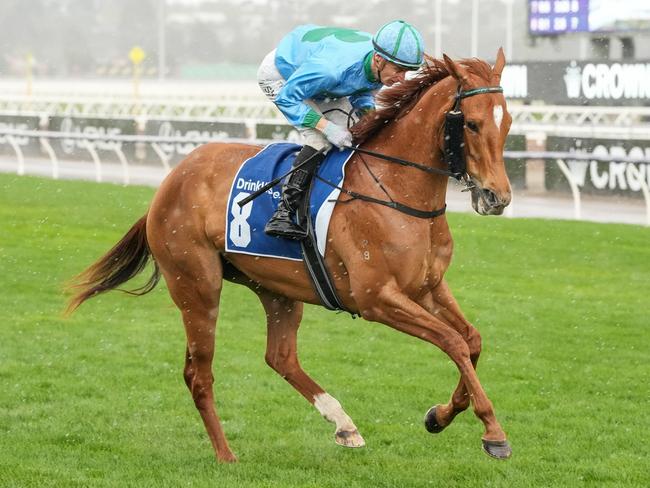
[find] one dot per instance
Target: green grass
(99, 400)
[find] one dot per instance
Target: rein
(400, 207)
(403, 162)
(453, 151)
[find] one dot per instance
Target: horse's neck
(416, 137)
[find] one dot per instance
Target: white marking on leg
(330, 408)
(498, 116)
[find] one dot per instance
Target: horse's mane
(398, 100)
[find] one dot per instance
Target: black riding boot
(282, 223)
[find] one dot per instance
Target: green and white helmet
(400, 43)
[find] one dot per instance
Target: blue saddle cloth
(245, 225)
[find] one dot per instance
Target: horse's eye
(472, 126)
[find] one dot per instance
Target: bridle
(454, 152)
(453, 149)
(453, 155)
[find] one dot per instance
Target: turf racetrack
(99, 399)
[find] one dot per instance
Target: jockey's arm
(322, 123)
(305, 83)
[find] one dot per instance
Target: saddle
(245, 223)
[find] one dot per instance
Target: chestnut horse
(387, 266)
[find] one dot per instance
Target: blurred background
(226, 39)
(122, 90)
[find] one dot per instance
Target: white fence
(114, 142)
(578, 121)
(230, 108)
(89, 142)
(598, 122)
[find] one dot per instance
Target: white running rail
(90, 142)
(578, 121)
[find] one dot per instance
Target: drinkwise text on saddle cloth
(253, 186)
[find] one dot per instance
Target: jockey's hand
(337, 135)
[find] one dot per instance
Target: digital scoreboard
(558, 16)
(551, 17)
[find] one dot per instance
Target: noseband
(454, 153)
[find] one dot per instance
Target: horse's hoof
(348, 438)
(227, 458)
(497, 449)
(431, 422)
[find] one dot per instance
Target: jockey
(315, 67)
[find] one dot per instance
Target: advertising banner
(600, 177)
(77, 149)
(30, 146)
(198, 130)
(579, 82)
(516, 168)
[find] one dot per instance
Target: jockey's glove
(337, 135)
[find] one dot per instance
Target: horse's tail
(127, 258)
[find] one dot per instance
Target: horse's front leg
(393, 308)
(441, 303)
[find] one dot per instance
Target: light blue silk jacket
(320, 63)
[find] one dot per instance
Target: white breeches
(271, 82)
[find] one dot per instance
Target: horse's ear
(457, 71)
(498, 66)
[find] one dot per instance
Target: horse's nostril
(490, 198)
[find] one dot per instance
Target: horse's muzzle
(488, 202)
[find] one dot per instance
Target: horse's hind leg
(194, 283)
(283, 319)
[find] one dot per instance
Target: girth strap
(314, 262)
